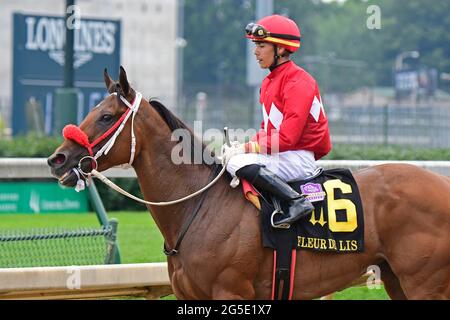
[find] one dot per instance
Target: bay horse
(406, 209)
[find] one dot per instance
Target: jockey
(294, 132)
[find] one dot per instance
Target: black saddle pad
(336, 224)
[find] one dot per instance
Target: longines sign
(92, 37)
(38, 65)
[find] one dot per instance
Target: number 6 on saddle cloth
(335, 225)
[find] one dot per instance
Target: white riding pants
(288, 165)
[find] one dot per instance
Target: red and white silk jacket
(294, 117)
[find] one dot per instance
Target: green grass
(361, 293)
(140, 240)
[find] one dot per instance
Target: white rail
(149, 280)
(32, 168)
(18, 168)
(442, 167)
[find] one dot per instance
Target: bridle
(74, 133)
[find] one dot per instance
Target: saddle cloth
(336, 224)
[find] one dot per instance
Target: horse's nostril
(57, 160)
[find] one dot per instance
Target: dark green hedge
(390, 152)
(30, 146)
(35, 146)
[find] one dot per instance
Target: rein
(114, 186)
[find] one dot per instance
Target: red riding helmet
(275, 29)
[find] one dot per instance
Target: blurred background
(383, 68)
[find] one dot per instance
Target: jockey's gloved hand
(229, 151)
(237, 148)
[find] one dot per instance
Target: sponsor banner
(41, 197)
(38, 66)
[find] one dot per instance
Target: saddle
(336, 224)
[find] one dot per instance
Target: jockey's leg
(289, 165)
(265, 180)
(258, 169)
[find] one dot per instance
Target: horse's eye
(106, 118)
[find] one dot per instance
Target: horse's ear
(123, 81)
(108, 81)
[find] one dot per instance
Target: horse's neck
(161, 180)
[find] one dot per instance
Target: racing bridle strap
(74, 133)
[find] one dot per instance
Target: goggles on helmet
(259, 32)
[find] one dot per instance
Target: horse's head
(85, 146)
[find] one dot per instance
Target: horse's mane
(174, 123)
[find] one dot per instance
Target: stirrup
(278, 210)
(279, 226)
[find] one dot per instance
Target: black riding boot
(265, 180)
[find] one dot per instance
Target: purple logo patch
(313, 192)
